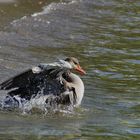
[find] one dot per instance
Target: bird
(56, 79)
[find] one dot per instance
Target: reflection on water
(105, 36)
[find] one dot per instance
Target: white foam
(47, 9)
(52, 7)
(39, 102)
(17, 20)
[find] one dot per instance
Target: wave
(53, 6)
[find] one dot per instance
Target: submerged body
(54, 82)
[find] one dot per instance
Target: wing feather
(17, 81)
(29, 83)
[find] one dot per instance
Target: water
(105, 36)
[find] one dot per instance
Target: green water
(105, 36)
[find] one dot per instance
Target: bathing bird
(57, 80)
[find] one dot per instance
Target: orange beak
(80, 70)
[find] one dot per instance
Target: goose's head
(75, 65)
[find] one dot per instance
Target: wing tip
(1, 87)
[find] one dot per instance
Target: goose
(56, 79)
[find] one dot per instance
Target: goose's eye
(75, 63)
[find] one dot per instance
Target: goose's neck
(77, 83)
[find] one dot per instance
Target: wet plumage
(46, 79)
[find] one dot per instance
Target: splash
(46, 104)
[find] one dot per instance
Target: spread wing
(19, 80)
(44, 79)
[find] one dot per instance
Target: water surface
(105, 36)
